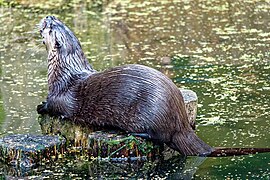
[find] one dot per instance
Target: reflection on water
(174, 168)
(220, 49)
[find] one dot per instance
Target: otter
(133, 98)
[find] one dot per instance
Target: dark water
(219, 49)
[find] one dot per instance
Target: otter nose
(50, 17)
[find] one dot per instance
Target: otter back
(137, 99)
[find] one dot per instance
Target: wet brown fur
(138, 99)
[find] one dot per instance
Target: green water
(219, 49)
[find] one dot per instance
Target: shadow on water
(219, 49)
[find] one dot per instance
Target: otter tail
(189, 144)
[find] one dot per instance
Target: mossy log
(108, 144)
(105, 144)
(118, 147)
(25, 150)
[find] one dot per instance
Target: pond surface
(219, 49)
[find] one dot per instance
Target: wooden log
(108, 144)
(25, 150)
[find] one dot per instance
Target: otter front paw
(42, 108)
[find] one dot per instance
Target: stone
(26, 150)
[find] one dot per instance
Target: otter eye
(57, 44)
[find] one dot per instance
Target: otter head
(66, 59)
(58, 37)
